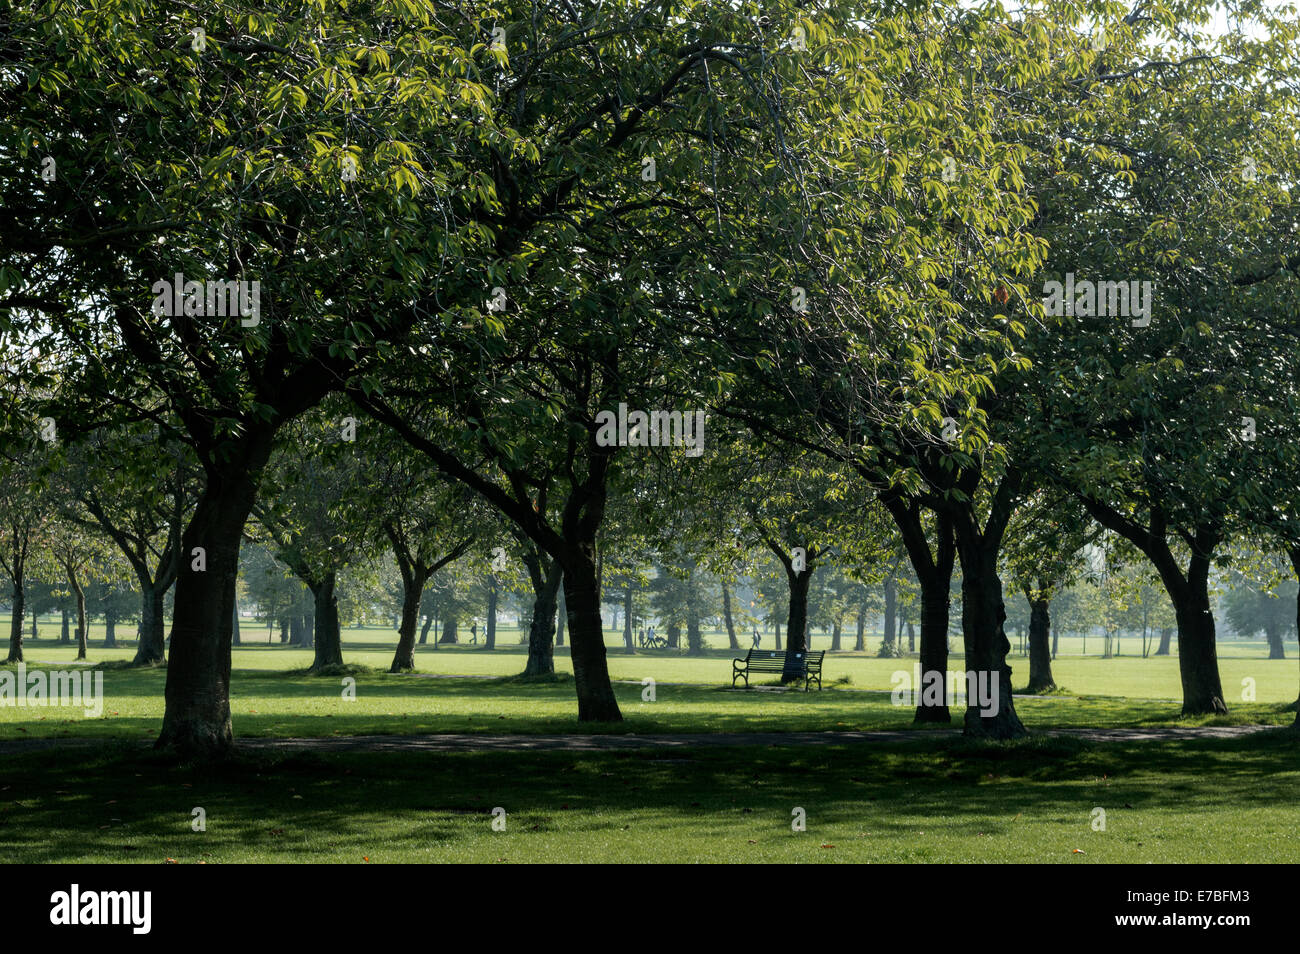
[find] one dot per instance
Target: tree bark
(1166, 635)
(196, 721)
(860, 641)
(1040, 657)
(561, 619)
(986, 643)
(546, 574)
(35, 632)
(933, 569)
(413, 581)
(796, 628)
(16, 621)
(79, 593)
(835, 633)
(328, 636)
(596, 701)
(65, 631)
(110, 629)
(1198, 661)
(234, 626)
(151, 648)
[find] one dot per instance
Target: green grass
(929, 801)
(271, 703)
(1155, 677)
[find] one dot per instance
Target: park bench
(808, 666)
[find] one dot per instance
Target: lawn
(938, 798)
(930, 801)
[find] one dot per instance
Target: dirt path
(470, 742)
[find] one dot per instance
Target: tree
(316, 513)
(1263, 603)
(25, 515)
(285, 210)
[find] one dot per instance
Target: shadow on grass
(119, 804)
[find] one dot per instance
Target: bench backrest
(774, 659)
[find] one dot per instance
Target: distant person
(473, 633)
(757, 638)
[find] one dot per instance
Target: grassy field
(272, 696)
(936, 801)
(928, 800)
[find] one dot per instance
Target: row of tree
(465, 234)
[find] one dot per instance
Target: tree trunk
(196, 721)
(911, 637)
(629, 647)
(80, 595)
(1294, 554)
(732, 642)
(284, 629)
(835, 633)
(561, 619)
(796, 627)
(110, 629)
(308, 630)
(234, 626)
(16, 622)
(412, 594)
(983, 614)
(450, 630)
(35, 633)
(328, 637)
(1166, 635)
(674, 635)
(891, 608)
(490, 635)
(596, 702)
(860, 641)
(1040, 657)
(694, 639)
(296, 637)
(1275, 647)
(1198, 661)
(935, 604)
(65, 632)
(151, 648)
(541, 631)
